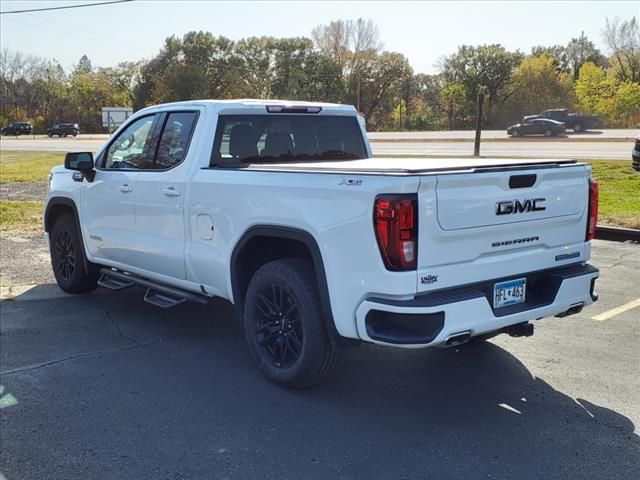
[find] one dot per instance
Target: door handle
(125, 188)
(171, 192)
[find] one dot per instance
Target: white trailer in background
(113, 117)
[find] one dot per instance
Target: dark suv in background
(17, 128)
(64, 129)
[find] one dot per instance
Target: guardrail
(617, 234)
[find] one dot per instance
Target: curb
(617, 234)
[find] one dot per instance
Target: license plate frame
(510, 292)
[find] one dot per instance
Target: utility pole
(358, 92)
(476, 143)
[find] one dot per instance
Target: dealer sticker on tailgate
(509, 293)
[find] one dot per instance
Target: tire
(577, 128)
(548, 133)
(284, 326)
(59, 135)
(67, 257)
(49, 135)
(515, 133)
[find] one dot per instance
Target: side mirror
(81, 162)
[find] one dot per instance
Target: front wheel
(284, 326)
(67, 257)
(577, 128)
(548, 133)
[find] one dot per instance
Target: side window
(175, 139)
(132, 148)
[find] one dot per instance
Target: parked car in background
(64, 129)
(536, 126)
(575, 121)
(17, 128)
(635, 155)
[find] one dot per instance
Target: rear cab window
(175, 138)
(281, 138)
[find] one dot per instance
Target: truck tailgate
(492, 224)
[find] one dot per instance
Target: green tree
(485, 68)
(580, 51)
(538, 85)
(590, 87)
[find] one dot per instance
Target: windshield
(285, 138)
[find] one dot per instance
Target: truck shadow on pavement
(117, 388)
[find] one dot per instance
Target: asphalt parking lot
(106, 386)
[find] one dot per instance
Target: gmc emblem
(516, 206)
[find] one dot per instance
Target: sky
(422, 31)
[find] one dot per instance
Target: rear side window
(282, 138)
(175, 139)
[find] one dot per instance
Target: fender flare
(308, 240)
(66, 202)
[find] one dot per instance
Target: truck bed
(406, 166)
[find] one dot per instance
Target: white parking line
(617, 311)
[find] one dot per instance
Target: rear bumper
(429, 320)
(635, 159)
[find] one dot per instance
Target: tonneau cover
(407, 166)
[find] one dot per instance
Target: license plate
(509, 293)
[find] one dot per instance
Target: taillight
(395, 219)
(592, 222)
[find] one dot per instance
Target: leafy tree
(580, 51)
(557, 52)
(485, 68)
(382, 81)
(538, 85)
(84, 65)
(590, 87)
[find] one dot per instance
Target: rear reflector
(395, 219)
(592, 221)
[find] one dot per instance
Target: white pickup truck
(280, 208)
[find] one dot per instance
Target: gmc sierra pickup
(280, 208)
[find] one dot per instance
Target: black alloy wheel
(278, 328)
(65, 255)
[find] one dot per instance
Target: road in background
(106, 386)
(591, 135)
(534, 147)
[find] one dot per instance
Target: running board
(113, 283)
(162, 296)
(162, 300)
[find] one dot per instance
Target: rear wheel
(67, 257)
(515, 133)
(548, 133)
(284, 326)
(577, 128)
